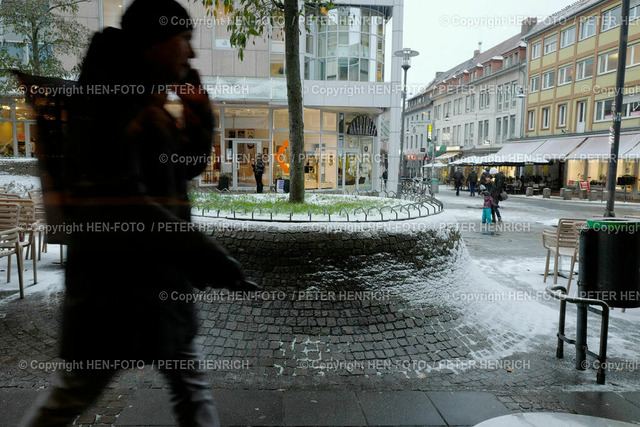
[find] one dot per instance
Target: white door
(581, 116)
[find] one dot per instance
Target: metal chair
(562, 242)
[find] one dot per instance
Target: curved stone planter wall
(343, 256)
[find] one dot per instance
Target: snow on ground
(513, 263)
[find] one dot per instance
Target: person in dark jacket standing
(458, 179)
(125, 286)
(472, 179)
(258, 170)
(496, 189)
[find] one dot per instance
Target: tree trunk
(294, 95)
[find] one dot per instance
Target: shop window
(277, 68)
(329, 122)
(281, 119)
(311, 120)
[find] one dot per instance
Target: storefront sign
(584, 185)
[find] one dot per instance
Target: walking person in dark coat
(496, 189)
(258, 170)
(472, 179)
(126, 287)
(458, 178)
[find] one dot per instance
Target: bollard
(562, 193)
(567, 194)
(583, 195)
(593, 196)
(529, 192)
(546, 193)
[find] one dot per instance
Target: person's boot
(499, 219)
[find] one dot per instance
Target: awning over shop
(518, 153)
(598, 148)
(634, 152)
(556, 149)
(435, 165)
(447, 156)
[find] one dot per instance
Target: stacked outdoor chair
(28, 226)
(10, 241)
(564, 241)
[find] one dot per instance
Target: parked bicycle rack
(583, 305)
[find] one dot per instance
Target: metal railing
(419, 206)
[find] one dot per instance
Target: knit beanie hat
(149, 22)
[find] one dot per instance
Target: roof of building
(562, 16)
(493, 53)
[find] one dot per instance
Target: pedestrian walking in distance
(385, 176)
(496, 190)
(120, 303)
(258, 170)
(472, 179)
(458, 178)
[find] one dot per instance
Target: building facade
(477, 106)
(572, 70)
(350, 94)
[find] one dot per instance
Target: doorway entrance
(245, 153)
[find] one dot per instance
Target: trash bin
(609, 265)
(287, 183)
(435, 185)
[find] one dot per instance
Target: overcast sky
(447, 32)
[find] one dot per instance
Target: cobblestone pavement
(323, 342)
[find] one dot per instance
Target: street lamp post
(406, 54)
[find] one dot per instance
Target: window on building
(535, 50)
(584, 69)
(550, 44)
(505, 127)
(498, 130)
(604, 110)
(534, 84)
(473, 102)
(548, 79)
(545, 118)
(565, 75)
(487, 100)
(466, 134)
(610, 18)
(500, 96)
(633, 54)
(514, 93)
(487, 70)
(568, 37)
(507, 96)
(471, 125)
(486, 130)
(608, 62)
(481, 106)
(512, 126)
(531, 120)
(634, 10)
(480, 131)
(588, 27)
(562, 115)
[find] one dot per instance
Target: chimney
(527, 25)
(478, 51)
